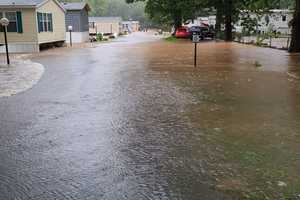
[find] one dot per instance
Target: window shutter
(19, 22)
(40, 23)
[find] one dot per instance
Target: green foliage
(99, 37)
(172, 12)
(171, 39)
(249, 25)
(238, 37)
(135, 11)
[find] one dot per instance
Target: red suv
(182, 32)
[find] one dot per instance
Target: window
(12, 17)
(50, 23)
(45, 22)
(40, 22)
(283, 18)
(13, 21)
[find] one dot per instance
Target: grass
(171, 39)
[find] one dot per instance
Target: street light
(70, 28)
(5, 22)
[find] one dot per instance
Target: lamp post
(70, 28)
(5, 22)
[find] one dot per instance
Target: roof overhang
(55, 1)
(86, 6)
(13, 6)
(17, 6)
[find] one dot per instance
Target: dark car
(208, 32)
(203, 31)
(196, 30)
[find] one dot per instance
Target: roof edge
(86, 6)
(55, 1)
(17, 6)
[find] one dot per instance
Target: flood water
(133, 119)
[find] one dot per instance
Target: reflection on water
(132, 120)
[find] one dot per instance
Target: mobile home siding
(73, 19)
(105, 27)
(59, 25)
(84, 20)
(78, 19)
(29, 32)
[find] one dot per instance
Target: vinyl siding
(59, 25)
(29, 34)
(78, 19)
(106, 27)
(84, 20)
(73, 19)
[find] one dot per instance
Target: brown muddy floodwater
(246, 107)
(133, 119)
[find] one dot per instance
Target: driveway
(133, 119)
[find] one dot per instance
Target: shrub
(99, 37)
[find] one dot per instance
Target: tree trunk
(177, 20)
(228, 20)
(219, 17)
(295, 42)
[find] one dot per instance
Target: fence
(278, 42)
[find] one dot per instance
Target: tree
(173, 12)
(295, 42)
(229, 9)
(219, 16)
(135, 11)
(227, 13)
(287, 4)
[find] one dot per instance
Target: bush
(99, 37)
(171, 39)
(238, 36)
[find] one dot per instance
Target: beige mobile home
(105, 25)
(33, 23)
(130, 26)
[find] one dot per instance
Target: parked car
(182, 32)
(203, 31)
(208, 32)
(196, 30)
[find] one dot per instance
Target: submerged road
(124, 120)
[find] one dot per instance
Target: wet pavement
(133, 119)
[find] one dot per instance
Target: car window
(194, 28)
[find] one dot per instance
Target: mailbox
(196, 38)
